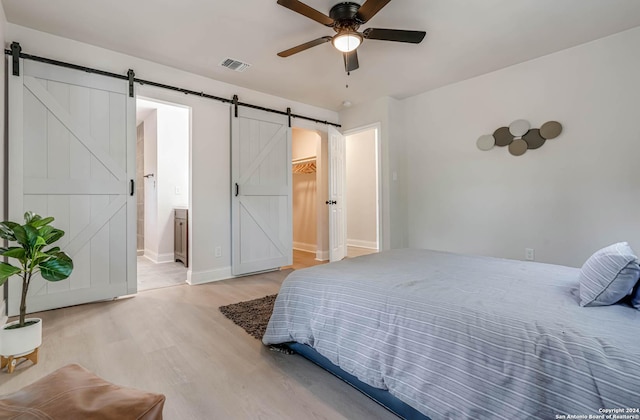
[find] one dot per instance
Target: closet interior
(304, 152)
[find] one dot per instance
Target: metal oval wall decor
(503, 136)
(486, 142)
(520, 137)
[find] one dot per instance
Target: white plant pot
(20, 341)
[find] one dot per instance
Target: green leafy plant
(32, 237)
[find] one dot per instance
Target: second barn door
(261, 191)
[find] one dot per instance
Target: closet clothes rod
(303, 160)
(304, 165)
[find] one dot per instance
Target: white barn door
(261, 191)
(72, 156)
(337, 198)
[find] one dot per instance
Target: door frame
(376, 127)
(323, 254)
(162, 102)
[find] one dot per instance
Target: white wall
(305, 143)
(210, 134)
(361, 188)
(151, 186)
(172, 173)
(576, 194)
(3, 181)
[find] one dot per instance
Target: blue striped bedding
(458, 336)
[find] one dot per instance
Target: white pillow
(608, 275)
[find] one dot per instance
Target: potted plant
(24, 336)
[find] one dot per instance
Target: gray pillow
(608, 275)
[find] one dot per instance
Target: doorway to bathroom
(162, 172)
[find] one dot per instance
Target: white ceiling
(465, 38)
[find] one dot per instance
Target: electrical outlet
(529, 254)
(218, 251)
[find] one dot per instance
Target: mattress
(458, 336)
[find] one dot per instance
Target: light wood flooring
(302, 259)
(154, 276)
(175, 341)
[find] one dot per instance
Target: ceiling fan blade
(305, 46)
(397, 35)
(369, 9)
(350, 60)
(308, 11)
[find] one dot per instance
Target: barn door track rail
(16, 53)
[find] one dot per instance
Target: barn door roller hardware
(235, 105)
(130, 75)
(16, 49)
(16, 53)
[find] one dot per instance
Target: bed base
(382, 397)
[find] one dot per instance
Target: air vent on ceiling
(234, 65)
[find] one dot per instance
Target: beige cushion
(72, 392)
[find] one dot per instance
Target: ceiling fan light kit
(345, 18)
(347, 41)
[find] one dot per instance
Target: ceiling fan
(345, 18)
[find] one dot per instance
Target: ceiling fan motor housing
(344, 16)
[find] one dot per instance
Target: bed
(465, 337)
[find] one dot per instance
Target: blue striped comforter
(465, 336)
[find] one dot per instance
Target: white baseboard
(163, 258)
(362, 244)
(150, 255)
(301, 246)
(322, 255)
(140, 252)
(208, 276)
(158, 258)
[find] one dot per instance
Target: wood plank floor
(175, 341)
(303, 259)
(155, 275)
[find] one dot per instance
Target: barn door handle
(237, 189)
(131, 187)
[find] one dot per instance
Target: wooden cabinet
(181, 236)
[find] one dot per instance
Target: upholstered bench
(72, 392)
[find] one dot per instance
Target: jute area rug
(252, 315)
